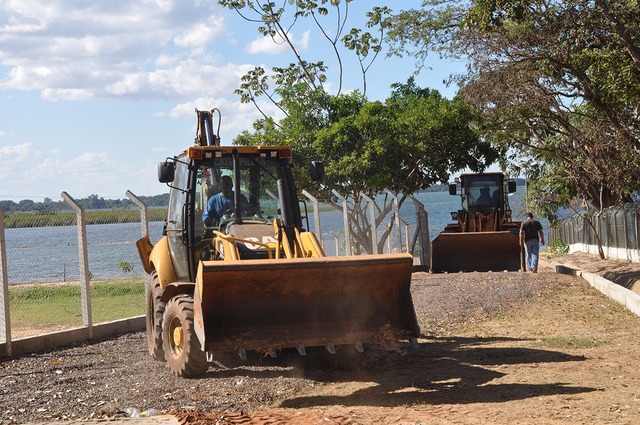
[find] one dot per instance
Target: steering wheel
(227, 215)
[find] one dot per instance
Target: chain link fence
(63, 270)
(617, 228)
(49, 261)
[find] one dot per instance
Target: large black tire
(155, 311)
(182, 350)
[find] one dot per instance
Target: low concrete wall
(624, 296)
(632, 255)
(618, 293)
(58, 339)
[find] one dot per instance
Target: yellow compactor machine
(256, 279)
(483, 236)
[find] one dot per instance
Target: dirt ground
(496, 348)
(567, 357)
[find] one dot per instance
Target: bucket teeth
(330, 347)
(359, 347)
(301, 350)
(242, 353)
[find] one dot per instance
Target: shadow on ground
(440, 371)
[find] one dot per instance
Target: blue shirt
(217, 205)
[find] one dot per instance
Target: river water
(50, 254)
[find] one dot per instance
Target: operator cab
(484, 202)
(263, 192)
(248, 216)
(482, 193)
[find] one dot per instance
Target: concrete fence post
(407, 235)
(83, 258)
(337, 240)
(396, 211)
(5, 320)
(316, 215)
(144, 219)
(345, 218)
(425, 241)
(636, 229)
(616, 236)
(372, 219)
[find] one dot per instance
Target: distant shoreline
(19, 219)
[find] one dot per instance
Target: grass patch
(47, 307)
(570, 343)
(68, 218)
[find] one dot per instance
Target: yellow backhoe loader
(483, 236)
(252, 278)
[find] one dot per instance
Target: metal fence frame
(617, 227)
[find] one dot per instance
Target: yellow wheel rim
(177, 337)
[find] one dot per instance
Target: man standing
(531, 236)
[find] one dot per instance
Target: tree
(330, 18)
(409, 142)
(553, 189)
(559, 81)
(93, 202)
(7, 205)
(26, 205)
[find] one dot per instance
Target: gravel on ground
(102, 378)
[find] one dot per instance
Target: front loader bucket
(265, 305)
(476, 251)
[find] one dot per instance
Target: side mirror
(511, 186)
(166, 172)
(453, 188)
(317, 170)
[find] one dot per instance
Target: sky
(94, 94)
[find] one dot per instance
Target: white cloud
(277, 45)
(186, 79)
(76, 50)
(20, 164)
(66, 94)
(202, 33)
(16, 153)
(39, 174)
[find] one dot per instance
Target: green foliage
(570, 343)
(558, 82)
(58, 218)
(126, 266)
(92, 202)
(413, 140)
(54, 306)
(558, 246)
(279, 20)
(410, 142)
